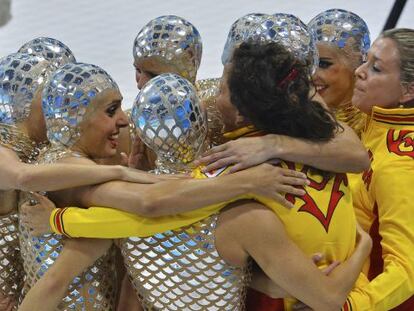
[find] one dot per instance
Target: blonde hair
(404, 39)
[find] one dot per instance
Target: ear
(407, 93)
(241, 120)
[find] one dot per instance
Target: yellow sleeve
(392, 190)
(104, 223)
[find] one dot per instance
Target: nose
(360, 72)
(122, 120)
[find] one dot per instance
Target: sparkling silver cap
(169, 120)
(344, 29)
(51, 49)
(68, 97)
(21, 76)
(174, 41)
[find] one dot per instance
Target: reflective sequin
(94, 289)
(173, 41)
(342, 28)
(11, 268)
(286, 29)
(51, 49)
(169, 120)
(21, 76)
(182, 270)
(207, 91)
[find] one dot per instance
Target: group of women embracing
(282, 185)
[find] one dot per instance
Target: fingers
(219, 164)
(292, 173)
(294, 181)
(331, 267)
(215, 149)
(281, 200)
(238, 167)
(291, 190)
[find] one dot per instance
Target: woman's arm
(51, 177)
(179, 196)
(391, 187)
(165, 198)
(76, 256)
(344, 153)
(266, 241)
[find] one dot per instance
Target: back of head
(270, 87)
(172, 40)
(287, 29)
(21, 77)
(169, 120)
(67, 99)
(344, 30)
(53, 50)
(404, 39)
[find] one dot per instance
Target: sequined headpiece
(169, 120)
(51, 49)
(344, 29)
(21, 76)
(286, 29)
(240, 31)
(174, 41)
(67, 98)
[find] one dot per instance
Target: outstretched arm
(271, 248)
(178, 196)
(51, 177)
(344, 153)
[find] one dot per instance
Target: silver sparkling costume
(286, 29)
(349, 33)
(176, 43)
(179, 269)
(67, 102)
(21, 76)
(52, 49)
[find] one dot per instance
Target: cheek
(143, 79)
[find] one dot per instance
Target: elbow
(149, 206)
(361, 161)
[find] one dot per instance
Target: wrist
(274, 146)
(120, 172)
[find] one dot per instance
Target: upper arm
(391, 187)
(393, 193)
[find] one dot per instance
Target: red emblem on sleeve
(401, 142)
